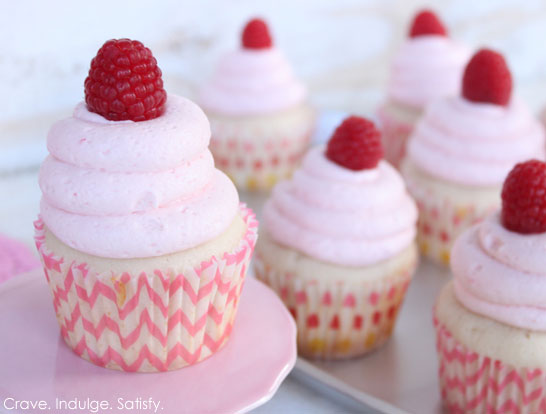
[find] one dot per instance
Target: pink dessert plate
(37, 367)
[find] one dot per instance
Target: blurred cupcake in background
(491, 318)
(337, 244)
(260, 120)
(463, 148)
(429, 65)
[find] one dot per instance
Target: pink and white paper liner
(147, 322)
(338, 318)
(474, 383)
(256, 158)
(395, 136)
(441, 222)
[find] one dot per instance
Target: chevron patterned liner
(147, 322)
(471, 383)
(337, 319)
(258, 164)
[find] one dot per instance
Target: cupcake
(260, 121)
(428, 66)
(337, 244)
(462, 150)
(491, 319)
(143, 242)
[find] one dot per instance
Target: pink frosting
(426, 68)
(475, 143)
(350, 218)
(251, 82)
(135, 189)
(498, 274)
(15, 258)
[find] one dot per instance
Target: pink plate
(35, 363)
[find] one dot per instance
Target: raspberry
(355, 144)
(524, 198)
(256, 35)
(427, 23)
(124, 82)
(487, 78)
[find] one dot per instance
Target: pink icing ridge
(491, 281)
(164, 195)
(91, 141)
(15, 258)
(252, 82)
(426, 68)
(475, 143)
(342, 216)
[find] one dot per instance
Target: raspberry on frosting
(125, 83)
(524, 198)
(355, 144)
(487, 78)
(256, 35)
(426, 22)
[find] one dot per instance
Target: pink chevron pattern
(471, 383)
(255, 158)
(147, 322)
(338, 318)
(441, 222)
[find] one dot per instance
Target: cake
(337, 244)
(428, 66)
(462, 149)
(144, 243)
(261, 122)
(490, 319)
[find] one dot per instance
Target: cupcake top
(428, 65)
(124, 181)
(253, 80)
(476, 138)
(345, 205)
(498, 264)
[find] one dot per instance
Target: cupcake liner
(147, 322)
(474, 383)
(258, 155)
(395, 134)
(442, 220)
(337, 317)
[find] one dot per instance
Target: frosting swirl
(252, 82)
(474, 143)
(134, 189)
(426, 68)
(501, 274)
(340, 216)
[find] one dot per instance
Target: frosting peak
(252, 82)
(341, 216)
(475, 143)
(425, 68)
(501, 274)
(134, 189)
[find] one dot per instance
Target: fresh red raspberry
(524, 198)
(124, 82)
(355, 144)
(256, 35)
(427, 23)
(487, 78)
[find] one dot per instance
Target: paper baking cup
(256, 157)
(395, 134)
(142, 321)
(441, 221)
(474, 383)
(338, 318)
